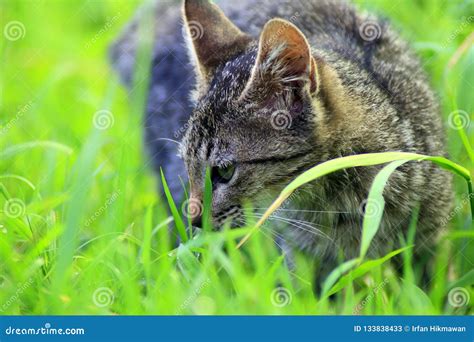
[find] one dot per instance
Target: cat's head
(254, 120)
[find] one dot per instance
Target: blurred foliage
(82, 230)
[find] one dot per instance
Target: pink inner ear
(296, 63)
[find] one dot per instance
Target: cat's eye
(222, 174)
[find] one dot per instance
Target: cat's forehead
(219, 107)
(229, 81)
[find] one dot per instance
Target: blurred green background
(82, 230)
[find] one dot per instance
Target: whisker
(167, 139)
(302, 225)
(309, 211)
(273, 233)
(286, 219)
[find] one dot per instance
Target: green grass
(82, 230)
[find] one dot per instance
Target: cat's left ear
(212, 37)
(284, 59)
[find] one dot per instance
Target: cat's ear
(284, 59)
(212, 37)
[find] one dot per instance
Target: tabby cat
(281, 86)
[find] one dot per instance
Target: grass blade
(178, 220)
(363, 269)
(16, 149)
(375, 202)
(336, 274)
(368, 159)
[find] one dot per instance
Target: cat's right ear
(211, 37)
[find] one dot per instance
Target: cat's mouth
(231, 218)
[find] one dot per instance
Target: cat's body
(327, 82)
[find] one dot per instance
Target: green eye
(223, 174)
